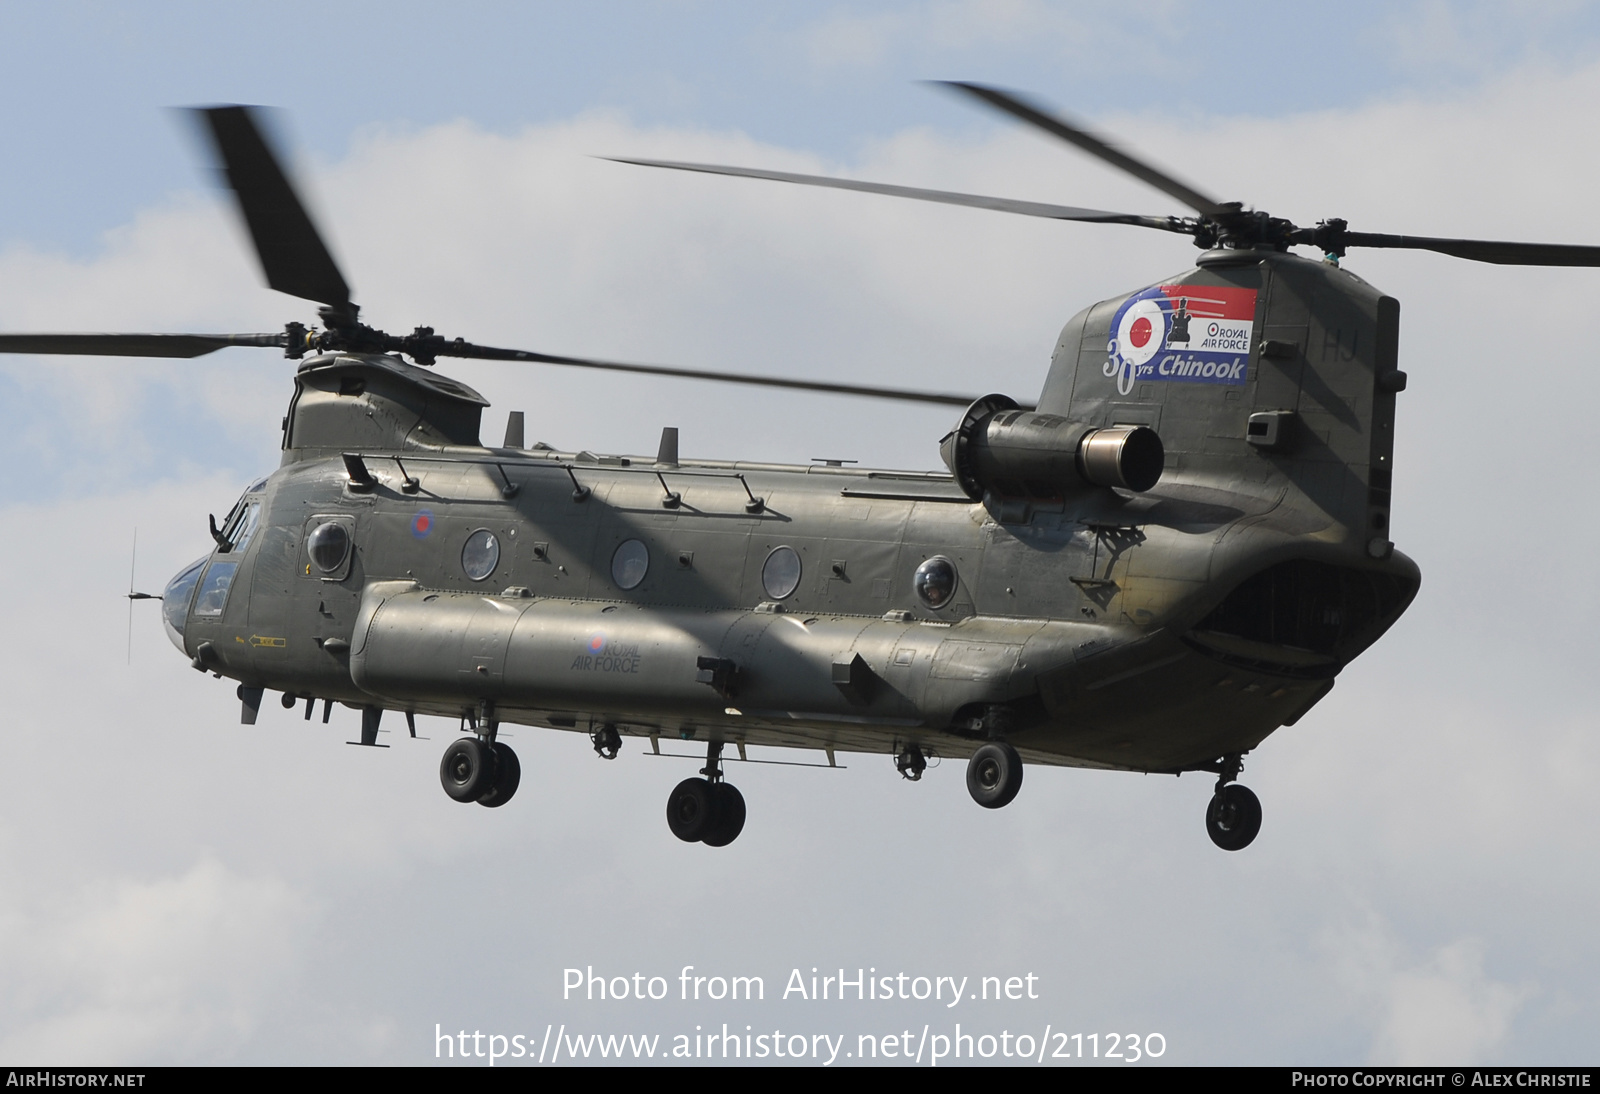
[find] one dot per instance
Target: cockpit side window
(243, 525)
(213, 593)
(240, 523)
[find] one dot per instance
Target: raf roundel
(422, 523)
(1142, 332)
(597, 642)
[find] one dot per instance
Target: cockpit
(213, 574)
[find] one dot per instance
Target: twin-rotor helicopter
(1169, 553)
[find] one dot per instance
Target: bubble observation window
(329, 546)
(935, 581)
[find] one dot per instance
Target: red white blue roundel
(1141, 330)
(1199, 334)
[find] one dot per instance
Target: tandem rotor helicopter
(1171, 554)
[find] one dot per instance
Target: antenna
(133, 563)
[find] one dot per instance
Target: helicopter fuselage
(395, 563)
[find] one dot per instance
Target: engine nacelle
(1002, 449)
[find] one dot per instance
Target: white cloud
(1443, 1009)
(175, 968)
(1448, 1010)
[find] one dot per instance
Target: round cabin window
(480, 555)
(630, 563)
(329, 546)
(780, 575)
(935, 581)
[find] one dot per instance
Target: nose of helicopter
(175, 600)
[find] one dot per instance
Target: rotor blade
(292, 253)
(946, 197)
(1484, 250)
(1095, 146)
(490, 353)
(134, 345)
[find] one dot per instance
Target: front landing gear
(507, 777)
(478, 769)
(473, 770)
(1234, 815)
(707, 810)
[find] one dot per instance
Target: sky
(180, 889)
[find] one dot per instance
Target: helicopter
(1171, 553)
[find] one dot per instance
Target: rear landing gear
(994, 774)
(1233, 818)
(707, 810)
(1234, 815)
(730, 816)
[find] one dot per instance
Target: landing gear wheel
(1233, 818)
(994, 775)
(467, 770)
(692, 810)
(507, 776)
(730, 816)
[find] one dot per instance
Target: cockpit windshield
(237, 529)
(175, 601)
